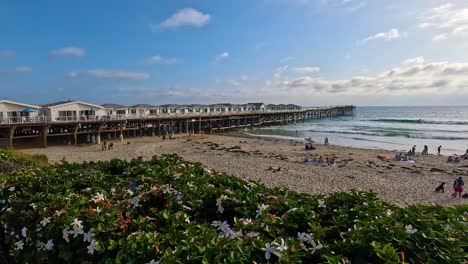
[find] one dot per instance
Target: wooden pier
(43, 134)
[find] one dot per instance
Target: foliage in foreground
(173, 211)
(11, 160)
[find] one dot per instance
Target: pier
(42, 132)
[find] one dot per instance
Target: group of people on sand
(107, 146)
(309, 146)
(321, 161)
(403, 157)
(425, 152)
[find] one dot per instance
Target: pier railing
(94, 118)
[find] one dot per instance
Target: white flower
(291, 210)
(139, 187)
(253, 234)
(268, 250)
(322, 203)
(12, 188)
(113, 191)
(302, 236)
(23, 231)
(153, 262)
(45, 221)
(99, 197)
(92, 246)
(365, 204)
(389, 212)
(19, 245)
(260, 210)
(77, 222)
(65, 234)
(246, 221)
(40, 244)
(135, 201)
(282, 246)
(77, 230)
(87, 237)
(220, 207)
(49, 245)
(315, 246)
(98, 210)
(410, 230)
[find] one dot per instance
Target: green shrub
(11, 160)
(173, 211)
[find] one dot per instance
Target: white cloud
(447, 20)
(69, 51)
(187, 17)
(278, 72)
(439, 37)
(23, 69)
(307, 69)
(157, 59)
(413, 76)
(238, 81)
(417, 60)
(7, 53)
(17, 70)
(73, 74)
(389, 35)
(111, 74)
(222, 56)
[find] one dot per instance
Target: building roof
(256, 104)
(22, 104)
(171, 105)
(62, 103)
(143, 106)
(114, 106)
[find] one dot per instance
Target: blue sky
(309, 52)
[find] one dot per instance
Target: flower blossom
(49, 245)
(322, 204)
(280, 247)
(220, 207)
(12, 188)
(23, 231)
(92, 246)
(410, 230)
(135, 201)
(65, 234)
(260, 210)
(19, 245)
(87, 237)
(45, 221)
(268, 250)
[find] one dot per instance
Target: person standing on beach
(438, 150)
(326, 140)
(413, 150)
(458, 187)
(425, 151)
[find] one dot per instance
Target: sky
(307, 52)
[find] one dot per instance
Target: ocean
(391, 128)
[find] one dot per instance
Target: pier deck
(41, 133)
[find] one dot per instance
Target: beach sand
(360, 169)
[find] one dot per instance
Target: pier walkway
(40, 132)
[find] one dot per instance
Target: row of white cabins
(69, 111)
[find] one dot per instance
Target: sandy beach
(251, 158)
